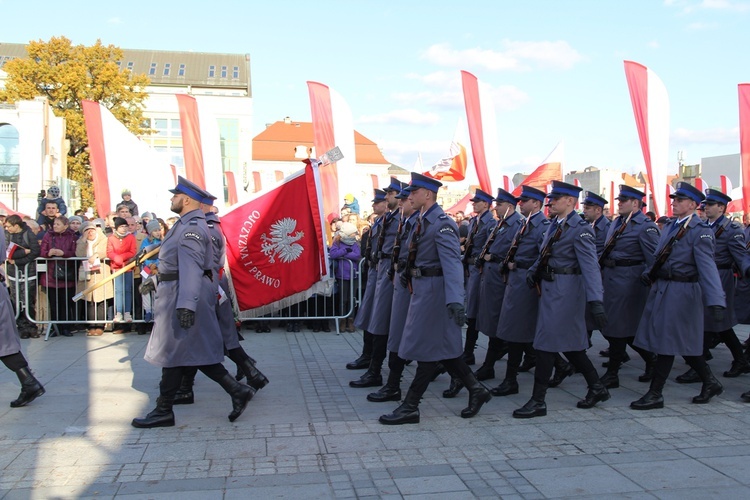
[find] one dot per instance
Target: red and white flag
(120, 160)
(612, 197)
(743, 90)
(276, 253)
(670, 191)
(650, 101)
(333, 127)
(550, 170)
(452, 168)
(480, 116)
(700, 185)
(726, 185)
(508, 184)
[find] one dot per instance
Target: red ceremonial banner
(275, 247)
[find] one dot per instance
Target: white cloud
(114, 20)
(513, 56)
(653, 44)
(688, 6)
(401, 116)
(714, 136)
(701, 26)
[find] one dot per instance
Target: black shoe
(405, 414)
(649, 401)
(745, 396)
(360, 363)
(161, 416)
(30, 388)
(604, 353)
(624, 360)
(454, 389)
(689, 377)
(255, 378)
(595, 395)
(737, 369)
(710, 388)
(368, 379)
(184, 397)
(531, 409)
(66, 333)
(385, 393)
(526, 365)
(484, 373)
(477, 397)
(469, 358)
(611, 380)
(561, 374)
(240, 398)
(648, 374)
(507, 387)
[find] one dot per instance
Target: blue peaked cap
(627, 192)
(594, 199)
(717, 196)
(191, 189)
(533, 193)
(560, 188)
(504, 196)
(422, 181)
(686, 190)
(480, 195)
(395, 185)
(379, 195)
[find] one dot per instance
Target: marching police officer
(518, 314)
(730, 253)
(186, 331)
(683, 278)
(10, 345)
(478, 231)
(593, 213)
(631, 241)
(493, 284)
(224, 314)
(364, 313)
(391, 391)
(383, 295)
(432, 332)
(568, 277)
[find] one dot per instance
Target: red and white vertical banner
(120, 160)
(375, 181)
(577, 183)
(612, 198)
(192, 148)
(700, 185)
(649, 196)
(726, 185)
(480, 116)
(670, 191)
(508, 184)
(275, 249)
(549, 170)
(333, 126)
(257, 184)
(231, 188)
(744, 101)
(452, 168)
(650, 101)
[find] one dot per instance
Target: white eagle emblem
(281, 243)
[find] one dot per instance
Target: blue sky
(555, 67)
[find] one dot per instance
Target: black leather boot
(711, 386)
(185, 394)
(496, 349)
(510, 385)
(241, 395)
(597, 393)
(391, 391)
(30, 388)
(529, 362)
(507, 387)
(625, 359)
(472, 335)
(535, 407)
(454, 389)
(653, 398)
(161, 416)
(255, 378)
(563, 370)
(611, 379)
(363, 361)
(739, 367)
(745, 396)
(368, 379)
(689, 377)
(478, 394)
(648, 373)
(406, 413)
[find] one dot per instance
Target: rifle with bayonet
(610, 245)
(510, 257)
(396, 246)
(545, 255)
(666, 251)
(479, 263)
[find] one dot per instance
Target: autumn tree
(66, 74)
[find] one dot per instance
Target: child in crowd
(154, 237)
(52, 196)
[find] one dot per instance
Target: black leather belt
(562, 270)
(471, 260)
(168, 277)
(622, 262)
(496, 258)
(677, 277)
(724, 266)
(382, 255)
(425, 272)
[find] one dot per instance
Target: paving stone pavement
(309, 435)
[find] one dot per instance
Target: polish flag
(743, 90)
(647, 190)
(201, 143)
(700, 185)
(333, 126)
(418, 165)
(480, 116)
(612, 197)
(375, 181)
(726, 185)
(549, 170)
(121, 160)
(275, 249)
(508, 184)
(650, 101)
(670, 191)
(577, 183)
(453, 167)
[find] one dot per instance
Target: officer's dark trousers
(617, 349)
(729, 338)
(545, 363)
(515, 355)
(14, 362)
(171, 378)
(472, 336)
(664, 363)
(456, 367)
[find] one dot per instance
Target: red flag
(275, 249)
(256, 181)
(549, 170)
(744, 98)
(700, 185)
(453, 167)
(97, 156)
(192, 149)
(375, 181)
(577, 183)
(670, 190)
(279, 175)
(726, 185)
(612, 197)
(508, 184)
(480, 116)
(231, 187)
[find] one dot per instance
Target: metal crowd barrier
(45, 297)
(339, 304)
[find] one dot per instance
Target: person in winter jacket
(121, 248)
(93, 245)
(24, 253)
(59, 281)
(345, 252)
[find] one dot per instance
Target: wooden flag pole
(114, 275)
